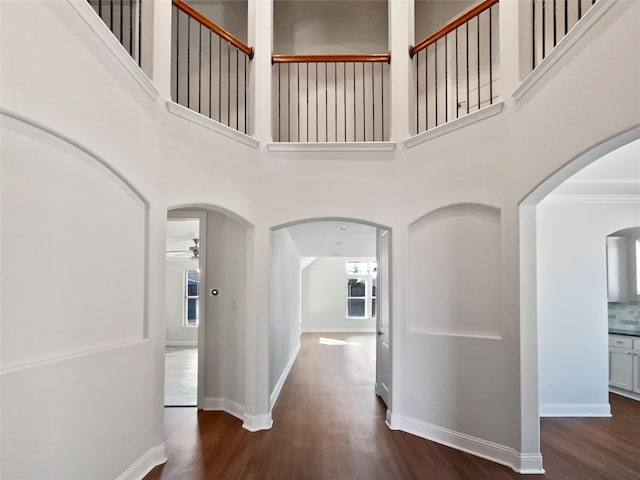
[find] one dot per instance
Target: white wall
(176, 332)
(431, 15)
(324, 300)
(225, 327)
(228, 14)
(572, 304)
(82, 254)
(174, 162)
(284, 325)
(316, 27)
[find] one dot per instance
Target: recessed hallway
(328, 424)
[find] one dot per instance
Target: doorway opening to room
(184, 307)
(564, 224)
(330, 298)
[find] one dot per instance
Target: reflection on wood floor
(181, 376)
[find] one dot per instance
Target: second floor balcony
(333, 72)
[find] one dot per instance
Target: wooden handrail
(221, 32)
(341, 58)
(461, 20)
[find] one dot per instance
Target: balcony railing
(124, 19)
(551, 21)
(210, 68)
(330, 98)
(456, 68)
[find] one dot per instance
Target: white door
(383, 344)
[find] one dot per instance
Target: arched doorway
(330, 276)
(551, 263)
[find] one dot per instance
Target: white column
(260, 37)
(257, 414)
(401, 27)
(515, 44)
(159, 55)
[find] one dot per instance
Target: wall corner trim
(589, 19)
(255, 423)
(220, 404)
(530, 463)
(285, 373)
(331, 146)
(453, 125)
(210, 124)
(152, 458)
(575, 410)
(91, 18)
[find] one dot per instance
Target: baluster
(446, 80)
(200, 68)
(435, 56)
(490, 56)
(210, 69)
(478, 55)
(188, 61)
(457, 77)
(177, 56)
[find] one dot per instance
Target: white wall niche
(454, 272)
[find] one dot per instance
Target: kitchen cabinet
(624, 362)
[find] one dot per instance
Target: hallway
(328, 424)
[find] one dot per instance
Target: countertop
(624, 332)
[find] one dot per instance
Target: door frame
(201, 216)
(383, 302)
(379, 228)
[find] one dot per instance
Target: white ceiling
(180, 234)
(312, 239)
(326, 239)
(617, 173)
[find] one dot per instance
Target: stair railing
(331, 98)
(551, 21)
(124, 19)
(455, 68)
(209, 68)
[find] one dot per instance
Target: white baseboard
(181, 343)
(338, 330)
(254, 423)
(224, 405)
(152, 458)
(624, 393)
(575, 410)
(519, 462)
(285, 373)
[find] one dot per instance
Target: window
(191, 298)
(361, 289)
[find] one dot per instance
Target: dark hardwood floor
(328, 424)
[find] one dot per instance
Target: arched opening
(330, 296)
(205, 315)
(563, 282)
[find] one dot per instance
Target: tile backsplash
(625, 316)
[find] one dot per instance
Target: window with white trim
(191, 315)
(361, 289)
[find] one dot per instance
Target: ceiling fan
(193, 252)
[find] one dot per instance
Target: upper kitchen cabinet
(623, 263)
